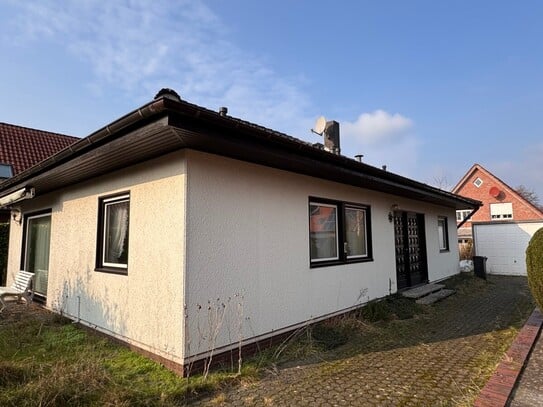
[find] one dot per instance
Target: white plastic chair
(19, 289)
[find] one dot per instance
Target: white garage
(504, 244)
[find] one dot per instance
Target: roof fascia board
(464, 179)
(512, 191)
(119, 127)
(178, 115)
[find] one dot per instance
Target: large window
(113, 232)
(443, 234)
(37, 235)
(501, 211)
(339, 232)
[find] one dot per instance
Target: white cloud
(377, 127)
(400, 157)
(137, 47)
(384, 139)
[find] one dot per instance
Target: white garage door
(505, 245)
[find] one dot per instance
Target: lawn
(46, 360)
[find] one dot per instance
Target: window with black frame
(443, 234)
(339, 232)
(113, 236)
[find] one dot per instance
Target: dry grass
(46, 361)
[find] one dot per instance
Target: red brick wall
(521, 210)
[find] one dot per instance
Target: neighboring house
(183, 231)
(501, 229)
(20, 149)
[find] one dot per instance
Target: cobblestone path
(442, 357)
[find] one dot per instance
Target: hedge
(534, 266)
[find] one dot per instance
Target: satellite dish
(320, 125)
(495, 192)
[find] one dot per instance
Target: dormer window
(6, 171)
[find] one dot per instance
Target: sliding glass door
(38, 233)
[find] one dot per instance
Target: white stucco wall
(238, 231)
(144, 307)
(248, 251)
(441, 264)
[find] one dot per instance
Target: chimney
(384, 167)
(331, 137)
(359, 157)
(168, 94)
(223, 111)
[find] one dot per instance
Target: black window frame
(102, 201)
(445, 233)
(341, 235)
(26, 217)
(40, 298)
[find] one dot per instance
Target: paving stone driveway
(440, 358)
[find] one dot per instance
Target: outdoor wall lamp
(393, 208)
(17, 216)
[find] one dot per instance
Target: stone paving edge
(500, 386)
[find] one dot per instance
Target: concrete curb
(500, 386)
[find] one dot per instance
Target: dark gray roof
(166, 125)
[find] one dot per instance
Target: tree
(528, 194)
(441, 182)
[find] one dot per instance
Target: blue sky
(427, 88)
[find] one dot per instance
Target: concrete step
(423, 290)
(435, 296)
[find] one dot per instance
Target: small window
(113, 228)
(463, 214)
(478, 182)
(501, 211)
(443, 234)
(6, 171)
(339, 232)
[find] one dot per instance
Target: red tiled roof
(23, 147)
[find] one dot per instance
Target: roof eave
(310, 160)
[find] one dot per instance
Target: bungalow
(186, 232)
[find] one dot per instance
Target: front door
(36, 259)
(410, 243)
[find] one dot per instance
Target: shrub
(466, 250)
(534, 266)
(329, 336)
(392, 307)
